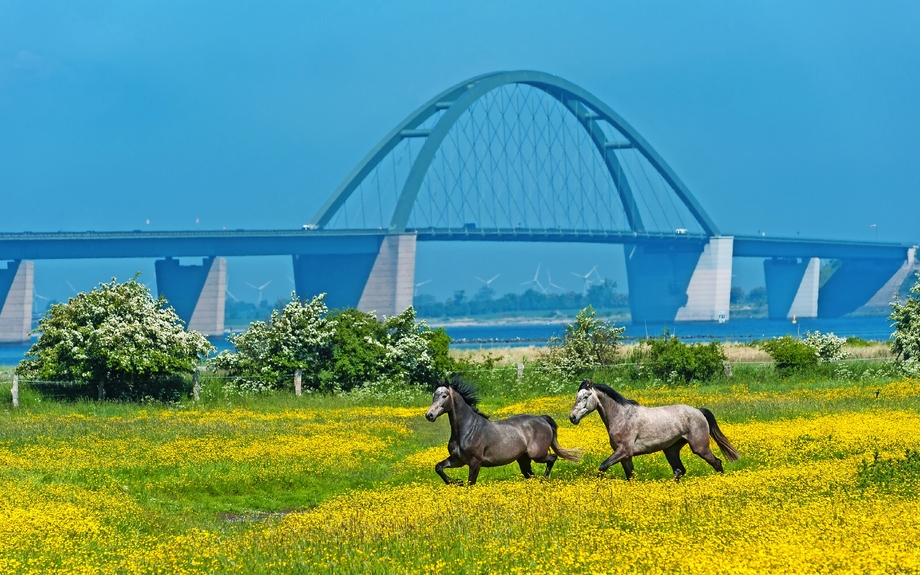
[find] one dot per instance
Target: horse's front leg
(619, 455)
(451, 461)
(475, 464)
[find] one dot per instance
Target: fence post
(101, 390)
(196, 385)
(727, 369)
(520, 373)
(297, 378)
(15, 390)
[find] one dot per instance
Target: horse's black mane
(612, 393)
(466, 390)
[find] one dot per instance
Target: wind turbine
(260, 288)
(71, 287)
(418, 285)
(489, 281)
(585, 278)
(551, 284)
(229, 293)
(536, 280)
(36, 295)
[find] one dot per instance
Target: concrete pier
(389, 287)
(680, 281)
(17, 283)
(792, 287)
(881, 301)
(197, 292)
(371, 273)
(856, 282)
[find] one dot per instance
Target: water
(876, 328)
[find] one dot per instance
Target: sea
(484, 336)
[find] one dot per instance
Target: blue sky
(781, 117)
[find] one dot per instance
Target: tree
(588, 343)
(118, 337)
(267, 354)
(736, 295)
(905, 341)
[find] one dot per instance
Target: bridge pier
(680, 280)
(371, 273)
(792, 287)
(16, 289)
(856, 282)
(197, 292)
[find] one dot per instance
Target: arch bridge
(505, 156)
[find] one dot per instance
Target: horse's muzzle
(430, 416)
(573, 419)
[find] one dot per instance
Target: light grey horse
(478, 442)
(637, 430)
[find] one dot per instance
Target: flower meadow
(828, 482)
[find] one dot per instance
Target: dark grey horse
(478, 442)
(637, 430)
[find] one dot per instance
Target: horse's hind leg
(524, 464)
(627, 468)
(549, 459)
(701, 447)
(673, 455)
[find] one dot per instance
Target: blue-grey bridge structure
(508, 156)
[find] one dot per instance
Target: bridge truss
(512, 152)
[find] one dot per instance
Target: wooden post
(101, 391)
(727, 369)
(520, 374)
(297, 379)
(196, 385)
(15, 390)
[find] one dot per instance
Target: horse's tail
(567, 454)
(728, 450)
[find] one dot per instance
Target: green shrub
(676, 362)
(790, 354)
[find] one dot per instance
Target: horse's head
(585, 401)
(441, 402)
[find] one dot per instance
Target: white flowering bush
(267, 354)
(905, 341)
(117, 337)
(828, 346)
(338, 351)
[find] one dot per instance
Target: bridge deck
(228, 243)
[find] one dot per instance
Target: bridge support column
(680, 281)
(371, 273)
(16, 289)
(197, 292)
(857, 282)
(792, 287)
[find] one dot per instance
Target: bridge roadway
(229, 243)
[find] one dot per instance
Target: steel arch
(456, 100)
